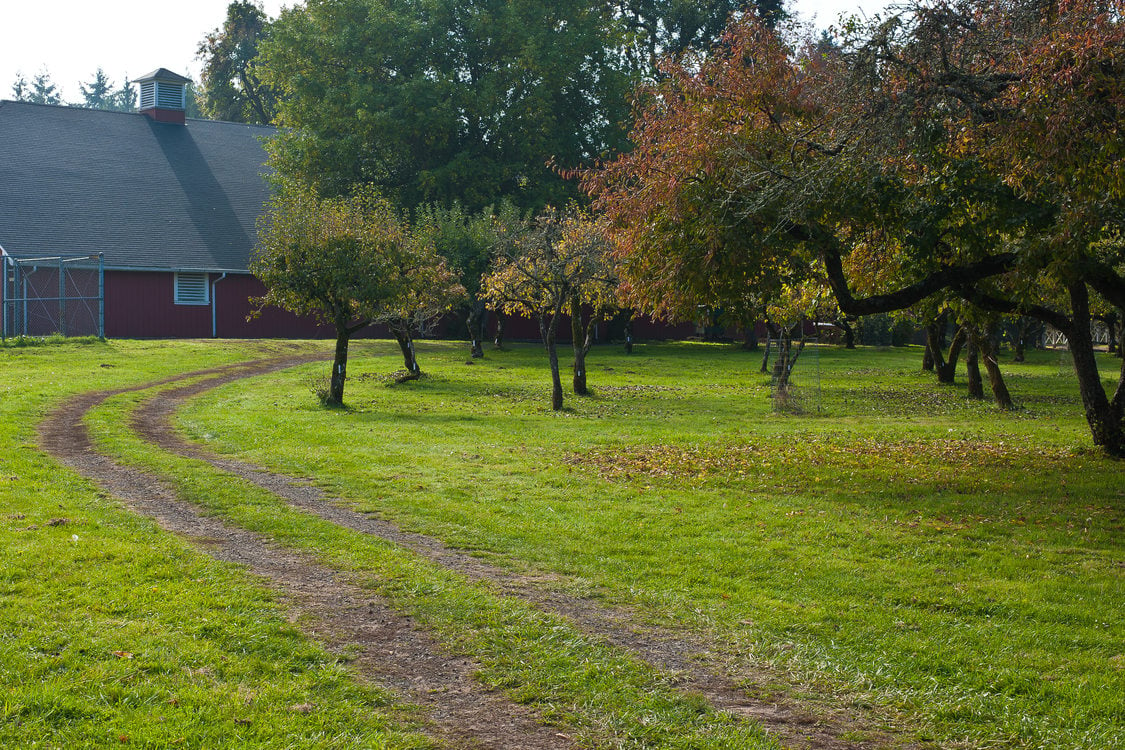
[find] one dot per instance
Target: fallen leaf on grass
(123, 654)
(301, 708)
(58, 522)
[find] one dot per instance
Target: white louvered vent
(148, 94)
(192, 289)
(169, 95)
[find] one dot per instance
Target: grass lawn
(892, 544)
(113, 633)
(895, 543)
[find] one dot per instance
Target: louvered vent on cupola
(164, 96)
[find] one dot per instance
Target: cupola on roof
(164, 96)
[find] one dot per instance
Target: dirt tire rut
(384, 646)
(678, 653)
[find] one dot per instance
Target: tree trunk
(498, 340)
(972, 368)
(749, 335)
(849, 332)
(629, 334)
(771, 334)
(927, 355)
(1111, 331)
(409, 358)
(988, 347)
(339, 366)
(548, 332)
(935, 343)
(578, 343)
(1121, 336)
(1023, 325)
(1104, 417)
(475, 324)
(946, 368)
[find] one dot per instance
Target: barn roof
(148, 195)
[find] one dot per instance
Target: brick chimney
(164, 96)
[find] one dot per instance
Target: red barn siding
(141, 304)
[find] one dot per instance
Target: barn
(141, 224)
(153, 210)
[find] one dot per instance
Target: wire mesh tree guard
(784, 389)
(62, 295)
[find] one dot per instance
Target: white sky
(72, 38)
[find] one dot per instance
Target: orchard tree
(965, 150)
(554, 264)
(344, 260)
(430, 290)
(231, 88)
(466, 241)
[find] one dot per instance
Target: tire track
(681, 654)
(384, 646)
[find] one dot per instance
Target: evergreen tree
(124, 99)
(43, 90)
(98, 93)
(20, 91)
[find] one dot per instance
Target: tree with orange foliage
(970, 151)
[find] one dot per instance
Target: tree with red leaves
(970, 151)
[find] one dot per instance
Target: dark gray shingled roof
(148, 195)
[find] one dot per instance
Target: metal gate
(53, 295)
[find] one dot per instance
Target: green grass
(893, 544)
(598, 694)
(112, 632)
(896, 543)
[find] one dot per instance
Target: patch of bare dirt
(384, 646)
(685, 655)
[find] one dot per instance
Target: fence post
(62, 297)
(101, 296)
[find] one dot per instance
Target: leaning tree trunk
(409, 358)
(972, 369)
(548, 331)
(771, 334)
(1104, 416)
(475, 324)
(849, 332)
(946, 367)
(988, 351)
(578, 343)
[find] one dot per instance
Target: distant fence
(1055, 339)
(53, 295)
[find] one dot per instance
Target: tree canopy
(230, 87)
(348, 261)
(970, 150)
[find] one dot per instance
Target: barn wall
(140, 304)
